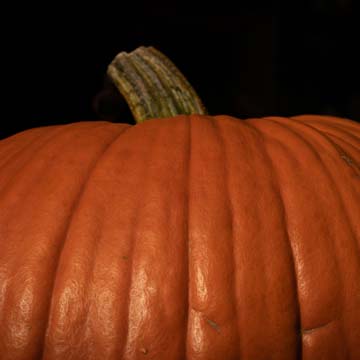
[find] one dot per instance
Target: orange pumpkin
(190, 237)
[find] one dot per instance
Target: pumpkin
(188, 236)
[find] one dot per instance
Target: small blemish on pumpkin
(311, 330)
(124, 257)
(351, 163)
(144, 351)
(213, 324)
(347, 159)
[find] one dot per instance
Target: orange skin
(194, 237)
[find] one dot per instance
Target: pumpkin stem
(152, 85)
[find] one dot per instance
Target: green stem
(152, 85)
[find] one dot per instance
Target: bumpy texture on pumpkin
(186, 238)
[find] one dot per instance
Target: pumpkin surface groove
(187, 148)
(76, 201)
(289, 343)
(230, 206)
(339, 293)
(193, 237)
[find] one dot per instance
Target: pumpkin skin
(194, 237)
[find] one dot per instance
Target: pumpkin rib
(345, 142)
(335, 130)
(282, 205)
(325, 170)
(328, 142)
(12, 149)
(216, 123)
(150, 161)
(25, 163)
(345, 156)
(325, 120)
(67, 226)
(131, 278)
(290, 242)
(130, 282)
(287, 330)
(87, 240)
(274, 326)
(347, 218)
(316, 135)
(345, 126)
(187, 252)
(286, 128)
(129, 259)
(211, 278)
(16, 255)
(30, 154)
(22, 135)
(329, 139)
(271, 328)
(351, 149)
(299, 349)
(353, 164)
(349, 155)
(25, 149)
(351, 134)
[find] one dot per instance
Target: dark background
(262, 62)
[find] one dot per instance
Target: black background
(263, 62)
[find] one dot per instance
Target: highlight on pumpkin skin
(152, 85)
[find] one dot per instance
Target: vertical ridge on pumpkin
(104, 220)
(347, 150)
(340, 143)
(264, 265)
(186, 350)
(218, 124)
(328, 122)
(212, 330)
(9, 147)
(332, 132)
(289, 236)
(17, 320)
(316, 194)
(158, 295)
(21, 158)
(137, 289)
(30, 223)
(76, 201)
(344, 234)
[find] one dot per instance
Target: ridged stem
(152, 85)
